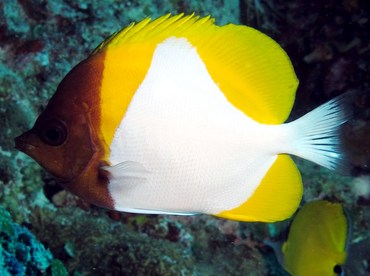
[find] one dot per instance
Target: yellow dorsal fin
(251, 69)
(146, 30)
(276, 198)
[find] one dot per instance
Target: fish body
(317, 240)
(181, 116)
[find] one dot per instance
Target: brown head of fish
(65, 139)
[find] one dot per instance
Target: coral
(159, 244)
(86, 241)
(20, 252)
(57, 268)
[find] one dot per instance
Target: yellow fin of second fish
(276, 198)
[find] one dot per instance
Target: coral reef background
(41, 40)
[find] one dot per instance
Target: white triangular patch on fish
(204, 154)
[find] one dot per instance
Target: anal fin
(276, 198)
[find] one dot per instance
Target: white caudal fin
(316, 135)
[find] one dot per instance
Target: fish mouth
(21, 144)
(28, 144)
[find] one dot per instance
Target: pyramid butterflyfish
(180, 116)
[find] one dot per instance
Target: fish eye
(337, 269)
(53, 133)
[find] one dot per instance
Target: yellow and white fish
(181, 116)
(317, 240)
